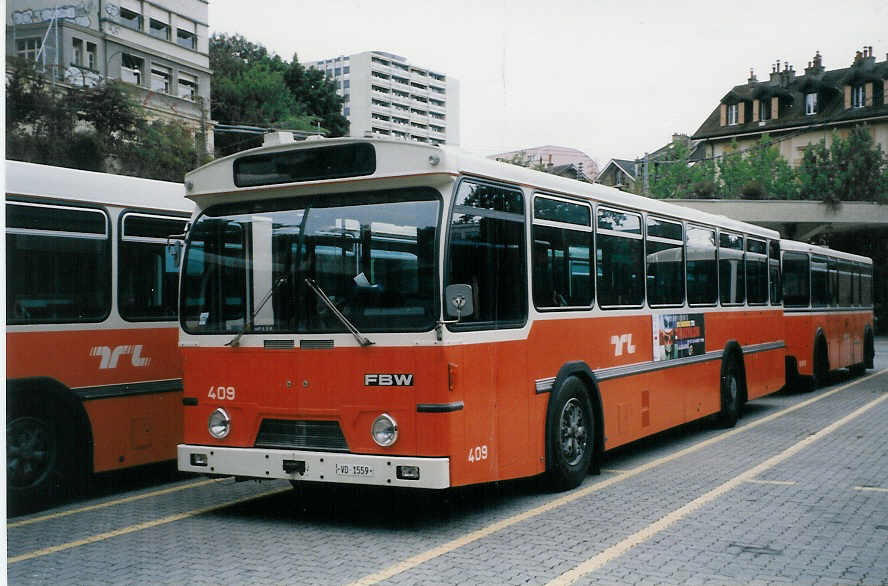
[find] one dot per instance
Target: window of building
(91, 55)
(702, 271)
(62, 258)
(186, 39)
(619, 259)
(77, 51)
(764, 109)
(147, 269)
(811, 103)
(187, 86)
(131, 69)
(858, 96)
(28, 48)
(487, 252)
(159, 29)
(130, 19)
(733, 113)
(347, 111)
(160, 79)
(346, 69)
(665, 262)
(731, 275)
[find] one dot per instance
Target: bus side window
(731, 278)
(487, 252)
(774, 273)
(620, 259)
(796, 279)
(61, 257)
(148, 274)
(702, 271)
(665, 262)
(562, 263)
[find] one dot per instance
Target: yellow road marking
(778, 482)
(614, 471)
(128, 499)
(454, 544)
(871, 488)
(643, 535)
(139, 527)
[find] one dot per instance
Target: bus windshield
(372, 253)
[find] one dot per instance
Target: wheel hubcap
(573, 432)
(29, 451)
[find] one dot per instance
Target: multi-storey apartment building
(386, 95)
(160, 47)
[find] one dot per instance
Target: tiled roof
(791, 90)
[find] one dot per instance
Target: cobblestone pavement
(797, 493)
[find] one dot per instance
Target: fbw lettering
(388, 380)
(110, 358)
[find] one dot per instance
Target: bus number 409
(221, 393)
(477, 453)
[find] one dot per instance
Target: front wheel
(570, 435)
(37, 473)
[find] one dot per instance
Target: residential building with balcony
(160, 48)
(798, 110)
(386, 95)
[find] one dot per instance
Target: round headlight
(384, 430)
(219, 423)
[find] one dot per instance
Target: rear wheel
(731, 395)
(821, 365)
(570, 435)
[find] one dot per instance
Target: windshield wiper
(249, 323)
(313, 285)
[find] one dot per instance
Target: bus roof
(74, 185)
(795, 246)
(401, 159)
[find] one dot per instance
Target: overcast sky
(611, 78)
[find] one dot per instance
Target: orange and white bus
(828, 297)
(399, 314)
(93, 368)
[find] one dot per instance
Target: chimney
(815, 67)
(752, 78)
(775, 72)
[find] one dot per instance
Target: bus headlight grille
(322, 436)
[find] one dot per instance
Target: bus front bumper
(316, 466)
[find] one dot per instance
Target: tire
(731, 394)
(869, 350)
(821, 365)
(570, 435)
(39, 470)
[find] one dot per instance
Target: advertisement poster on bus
(678, 335)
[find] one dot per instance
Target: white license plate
(354, 470)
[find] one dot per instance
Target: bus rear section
(379, 312)
(93, 369)
(828, 314)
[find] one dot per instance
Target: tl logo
(110, 357)
(622, 341)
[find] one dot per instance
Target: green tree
(253, 87)
(850, 169)
(759, 172)
(164, 150)
(675, 176)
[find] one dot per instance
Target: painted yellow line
(614, 471)
(454, 544)
(139, 527)
(777, 482)
(871, 488)
(129, 499)
(643, 535)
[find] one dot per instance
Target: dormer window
(733, 114)
(811, 103)
(764, 110)
(858, 96)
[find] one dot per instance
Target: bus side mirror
(174, 249)
(458, 299)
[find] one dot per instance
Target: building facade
(556, 158)
(160, 48)
(798, 110)
(386, 95)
